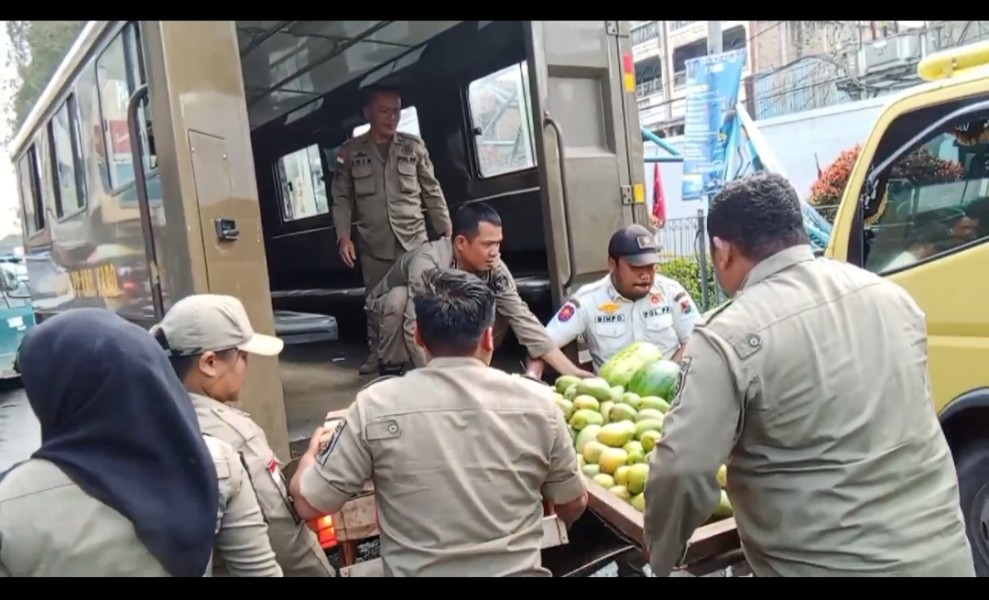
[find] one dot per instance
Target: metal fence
(684, 256)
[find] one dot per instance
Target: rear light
(325, 531)
(628, 68)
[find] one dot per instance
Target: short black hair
(468, 218)
(759, 213)
(368, 93)
(453, 312)
(182, 364)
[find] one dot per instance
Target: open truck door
(588, 143)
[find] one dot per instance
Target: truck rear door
(588, 142)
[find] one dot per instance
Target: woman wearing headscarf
(123, 483)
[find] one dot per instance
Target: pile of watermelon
(641, 369)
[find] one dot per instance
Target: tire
(972, 465)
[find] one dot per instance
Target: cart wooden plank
(707, 542)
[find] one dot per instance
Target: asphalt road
(20, 434)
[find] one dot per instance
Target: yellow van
(916, 210)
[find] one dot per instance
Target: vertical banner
(712, 87)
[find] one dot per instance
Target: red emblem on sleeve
(566, 313)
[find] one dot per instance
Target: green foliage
(687, 271)
(36, 49)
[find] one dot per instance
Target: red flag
(658, 197)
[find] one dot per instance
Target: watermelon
(619, 369)
(659, 378)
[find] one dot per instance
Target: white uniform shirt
(610, 322)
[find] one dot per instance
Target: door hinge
(627, 199)
(611, 27)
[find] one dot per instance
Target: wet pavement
(20, 434)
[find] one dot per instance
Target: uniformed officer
(811, 385)
(122, 484)
(242, 547)
(209, 338)
(460, 454)
(475, 248)
(382, 182)
(631, 304)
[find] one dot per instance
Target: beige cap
(211, 322)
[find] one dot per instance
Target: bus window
(936, 198)
(31, 201)
(118, 75)
(63, 131)
(300, 178)
(502, 120)
(408, 122)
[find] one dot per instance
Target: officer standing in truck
(382, 181)
(632, 303)
(811, 385)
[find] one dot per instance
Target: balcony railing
(644, 33)
(674, 25)
(648, 87)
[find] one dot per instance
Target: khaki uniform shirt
(412, 266)
(50, 527)
(813, 380)
(241, 534)
(610, 322)
(459, 454)
(385, 195)
(296, 546)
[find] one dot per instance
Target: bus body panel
(207, 163)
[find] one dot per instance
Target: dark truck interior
(464, 87)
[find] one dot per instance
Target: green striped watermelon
(660, 378)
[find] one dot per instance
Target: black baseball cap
(636, 244)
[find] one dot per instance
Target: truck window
(502, 120)
(300, 178)
(934, 199)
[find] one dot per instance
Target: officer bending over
(475, 248)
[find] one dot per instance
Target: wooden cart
(711, 548)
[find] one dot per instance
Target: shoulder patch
(566, 312)
(325, 454)
(376, 380)
(500, 282)
(684, 369)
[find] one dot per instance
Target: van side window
(408, 122)
(935, 199)
(32, 204)
(502, 119)
(301, 185)
(69, 184)
(118, 75)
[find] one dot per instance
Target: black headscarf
(117, 421)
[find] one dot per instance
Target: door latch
(226, 229)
